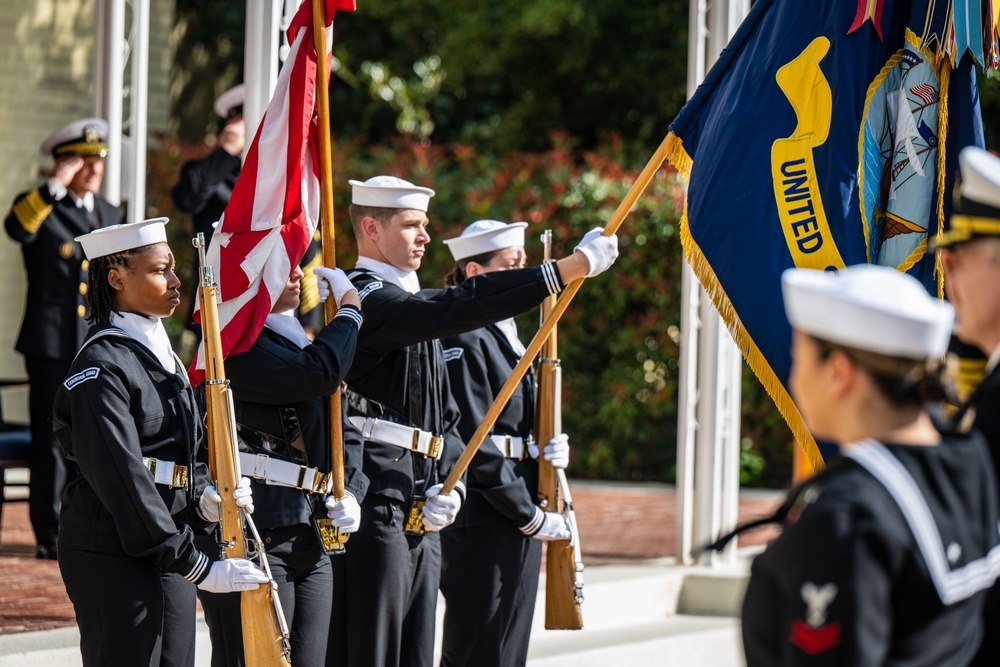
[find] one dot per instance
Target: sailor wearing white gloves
(127, 418)
(281, 388)
(399, 396)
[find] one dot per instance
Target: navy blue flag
(818, 140)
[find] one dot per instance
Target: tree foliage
(618, 340)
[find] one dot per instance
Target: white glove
(554, 527)
(332, 281)
(208, 504)
(557, 451)
(440, 509)
(346, 514)
(601, 251)
(232, 575)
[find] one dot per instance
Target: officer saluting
(970, 255)
(45, 221)
(887, 553)
(490, 564)
(127, 417)
(399, 397)
(205, 185)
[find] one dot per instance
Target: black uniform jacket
(55, 311)
(500, 490)
(399, 363)
(116, 406)
(204, 189)
(275, 375)
(867, 576)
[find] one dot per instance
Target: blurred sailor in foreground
(887, 553)
(45, 221)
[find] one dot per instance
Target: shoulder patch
(81, 377)
(453, 353)
(369, 288)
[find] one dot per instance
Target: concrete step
(678, 641)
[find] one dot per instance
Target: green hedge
(619, 339)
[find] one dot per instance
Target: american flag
(925, 92)
(274, 209)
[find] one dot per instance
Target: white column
(707, 453)
(108, 81)
(260, 64)
(138, 96)
(687, 398)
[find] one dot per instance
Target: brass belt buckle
(330, 538)
(180, 477)
(321, 483)
(415, 518)
(507, 442)
(435, 448)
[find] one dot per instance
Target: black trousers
(386, 592)
(128, 611)
(305, 589)
(489, 579)
(47, 462)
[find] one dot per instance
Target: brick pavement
(619, 523)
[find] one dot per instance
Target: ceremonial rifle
(564, 565)
(535, 346)
(330, 536)
(265, 633)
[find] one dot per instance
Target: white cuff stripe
(198, 569)
(535, 524)
(351, 314)
(551, 278)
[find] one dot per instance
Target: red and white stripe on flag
(274, 208)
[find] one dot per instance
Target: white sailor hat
(230, 103)
(390, 192)
(116, 238)
(485, 236)
(87, 136)
(977, 205)
(867, 307)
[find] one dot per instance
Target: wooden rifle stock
(265, 634)
(562, 594)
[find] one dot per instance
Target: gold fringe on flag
(680, 159)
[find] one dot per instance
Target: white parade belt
(397, 435)
(284, 473)
(512, 447)
(166, 473)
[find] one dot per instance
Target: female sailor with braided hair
(887, 553)
(126, 417)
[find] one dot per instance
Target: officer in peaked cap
(970, 255)
(206, 184)
(399, 397)
(45, 221)
(886, 555)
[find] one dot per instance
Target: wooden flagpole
(549, 324)
(327, 232)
